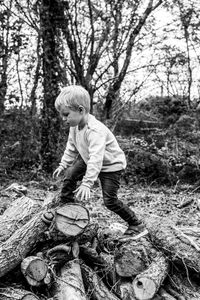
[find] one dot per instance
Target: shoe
(135, 229)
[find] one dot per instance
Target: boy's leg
(73, 174)
(110, 182)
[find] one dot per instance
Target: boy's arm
(70, 153)
(97, 144)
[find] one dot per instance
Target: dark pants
(110, 182)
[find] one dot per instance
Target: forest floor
(180, 203)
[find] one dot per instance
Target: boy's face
(71, 117)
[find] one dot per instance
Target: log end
(71, 219)
(144, 288)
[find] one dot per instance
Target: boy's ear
(81, 109)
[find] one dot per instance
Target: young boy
(92, 151)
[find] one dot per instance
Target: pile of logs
(57, 252)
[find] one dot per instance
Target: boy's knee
(109, 201)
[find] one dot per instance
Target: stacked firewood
(57, 252)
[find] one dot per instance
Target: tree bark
(12, 293)
(15, 249)
(185, 287)
(147, 283)
(125, 291)
(96, 288)
(69, 283)
(16, 215)
(171, 240)
(165, 295)
(50, 124)
(134, 257)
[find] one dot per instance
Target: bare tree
(100, 37)
(49, 12)
(4, 50)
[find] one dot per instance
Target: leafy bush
(168, 109)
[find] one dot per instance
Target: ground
(180, 203)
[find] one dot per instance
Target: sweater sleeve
(96, 144)
(70, 153)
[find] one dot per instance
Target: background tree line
(116, 49)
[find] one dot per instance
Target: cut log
(174, 293)
(16, 215)
(34, 270)
(102, 262)
(69, 283)
(109, 272)
(96, 288)
(89, 234)
(86, 236)
(21, 210)
(91, 257)
(71, 219)
(125, 291)
(134, 257)
(175, 243)
(16, 248)
(165, 295)
(12, 293)
(59, 255)
(147, 283)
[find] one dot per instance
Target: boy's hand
(57, 172)
(83, 192)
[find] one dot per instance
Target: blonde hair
(73, 96)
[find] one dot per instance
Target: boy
(92, 151)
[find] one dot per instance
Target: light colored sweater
(98, 148)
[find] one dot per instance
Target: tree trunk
(50, 125)
(147, 283)
(16, 215)
(12, 293)
(69, 283)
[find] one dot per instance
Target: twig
(188, 238)
(134, 238)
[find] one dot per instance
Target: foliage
(19, 145)
(48, 44)
(167, 109)
(162, 158)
